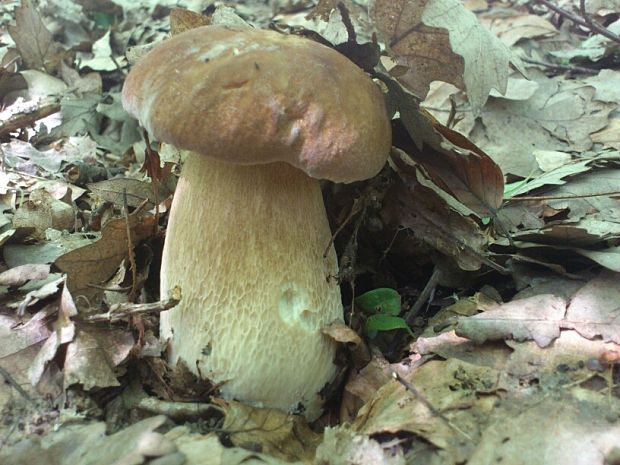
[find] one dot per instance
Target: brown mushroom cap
(251, 96)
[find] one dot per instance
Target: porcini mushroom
(263, 116)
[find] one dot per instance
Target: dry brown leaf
(33, 40)
(93, 355)
(422, 51)
(323, 9)
(63, 333)
(452, 161)
(560, 116)
(95, 263)
(439, 40)
(594, 310)
(182, 20)
(537, 318)
(206, 449)
(276, 433)
(20, 344)
(610, 136)
(457, 389)
(342, 446)
(42, 211)
(528, 26)
(557, 430)
(113, 190)
(87, 444)
(430, 218)
(20, 275)
(345, 335)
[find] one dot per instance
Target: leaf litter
(501, 185)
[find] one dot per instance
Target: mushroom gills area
(246, 244)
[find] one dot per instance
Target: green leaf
(103, 20)
(554, 177)
(383, 300)
(376, 323)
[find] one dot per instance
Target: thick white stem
(246, 244)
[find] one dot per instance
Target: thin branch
(424, 296)
(423, 299)
(584, 21)
(123, 310)
(9, 379)
(558, 67)
(130, 251)
(29, 116)
(411, 388)
(612, 195)
(594, 26)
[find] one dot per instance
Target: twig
(612, 195)
(29, 116)
(125, 309)
(358, 205)
(180, 411)
(555, 66)
(132, 257)
(584, 21)
(409, 387)
(425, 295)
(346, 20)
(9, 379)
(422, 299)
(594, 26)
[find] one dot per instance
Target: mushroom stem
(245, 244)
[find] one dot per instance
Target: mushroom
(262, 117)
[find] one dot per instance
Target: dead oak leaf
(594, 311)
(420, 208)
(182, 20)
(422, 50)
(284, 436)
(93, 355)
(537, 318)
(452, 161)
(34, 41)
(440, 40)
(95, 263)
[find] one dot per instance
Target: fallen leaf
(93, 355)
(63, 333)
(594, 311)
(101, 57)
(113, 190)
(560, 116)
(95, 263)
(426, 214)
(206, 449)
(34, 41)
(441, 40)
(88, 444)
(182, 20)
(455, 388)
(452, 162)
(276, 433)
(537, 318)
(557, 431)
(341, 445)
(610, 135)
(41, 211)
(20, 275)
(423, 51)
(513, 29)
(608, 258)
(594, 48)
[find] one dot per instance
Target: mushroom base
(246, 244)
